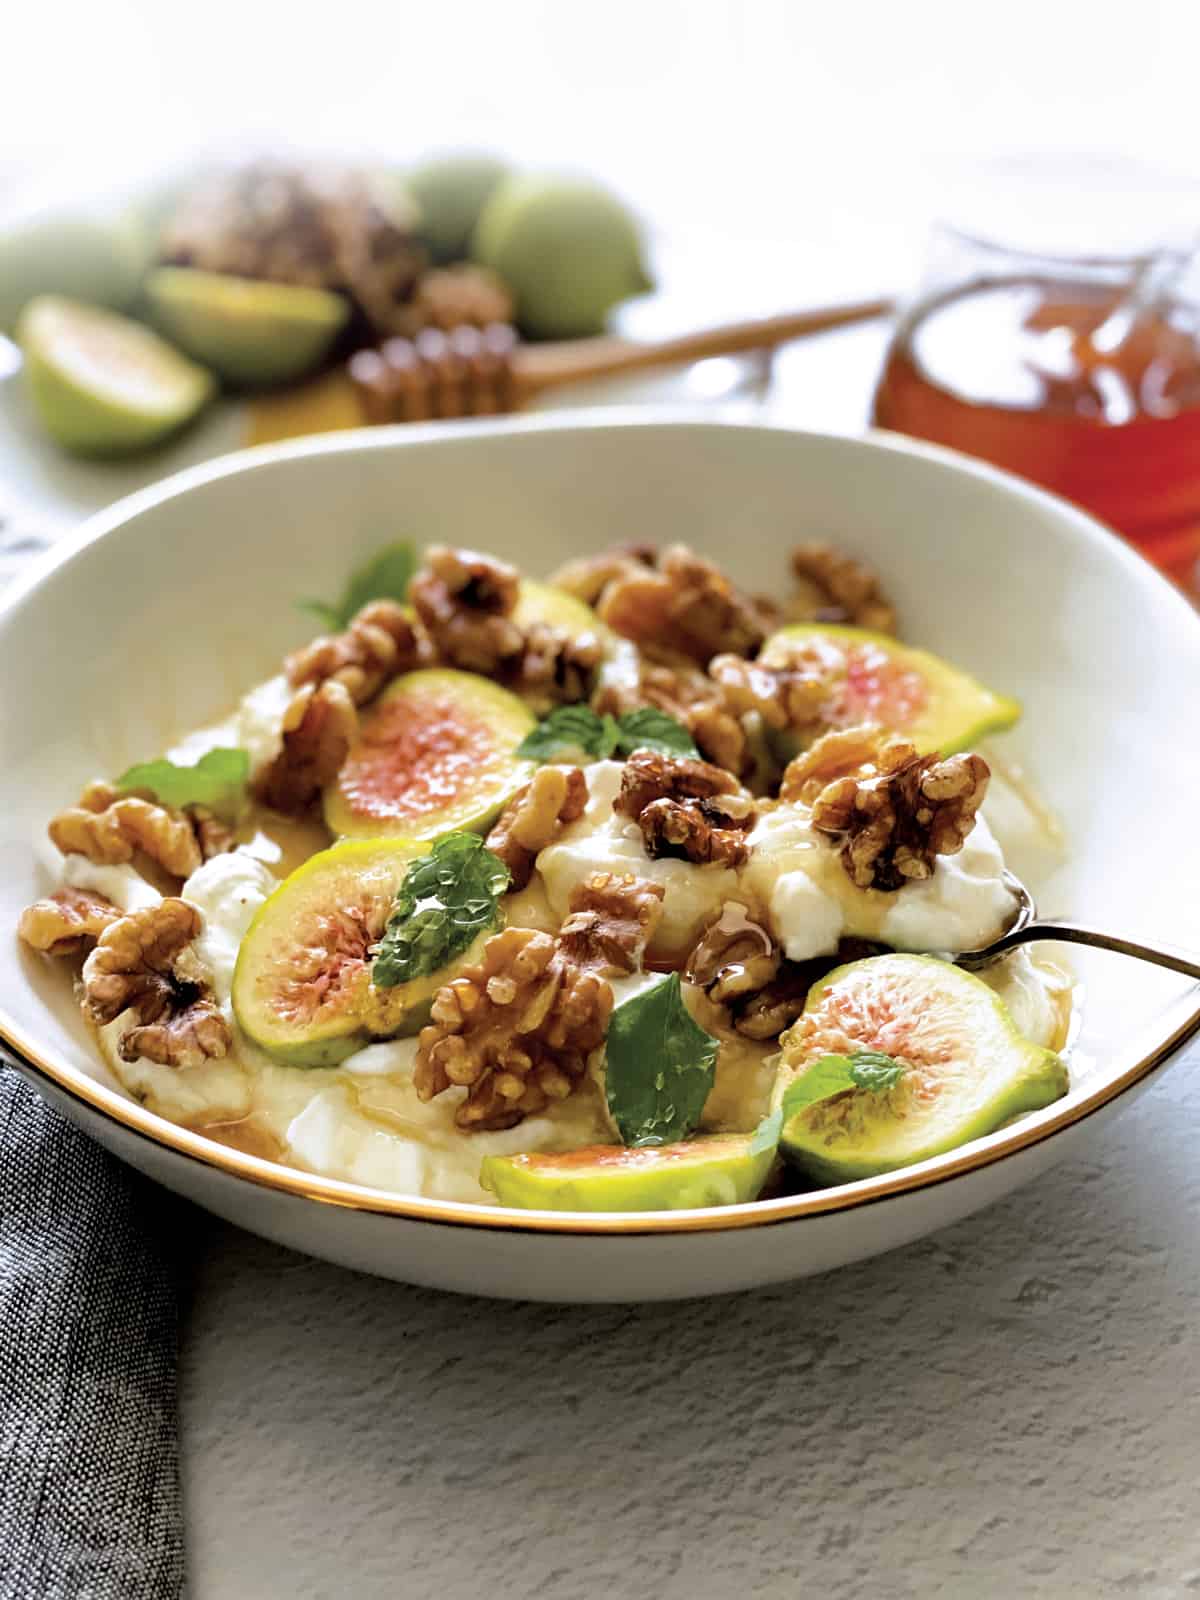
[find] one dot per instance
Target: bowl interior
(175, 602)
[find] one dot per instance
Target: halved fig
(246, 330)
(720, 1169)
(966, 1068)
(434, 754)
(935, 705)
(302, 988)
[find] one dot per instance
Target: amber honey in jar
(997, 360)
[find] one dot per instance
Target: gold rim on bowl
(25, 1055)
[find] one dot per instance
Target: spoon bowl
(1027, 926)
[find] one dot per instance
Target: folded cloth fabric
(89, 1477)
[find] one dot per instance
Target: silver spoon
(1027, 927)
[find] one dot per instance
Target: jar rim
(1012, 251)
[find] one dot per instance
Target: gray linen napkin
(89, 1473)
(89, 1476)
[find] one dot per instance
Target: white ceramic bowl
(163, 609)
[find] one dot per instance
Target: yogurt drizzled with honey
(363, 1120)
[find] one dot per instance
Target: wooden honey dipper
(473, 372)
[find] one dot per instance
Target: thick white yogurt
(963, 905)
(795, 874)
(602, 841)
(369, 1125)
(227, 891)
(256, 727)
(127, 889)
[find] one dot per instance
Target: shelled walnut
(379, 643)
(895, 811)
(686, 604)
(836, 588)
(66, 922)
(145, 963)
(588, 577)
(686, 808)
(465, 601)
(736, 957)
(555, 667)
(109, 828)
(794, 693)
(319, 726)
(516, 1030)
(463, 294)
(535, 816)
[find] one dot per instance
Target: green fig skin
(969, 1070)
(958, 710)
(450, 191)
(252, 334)
(361, 876)
(103, 385)
(713, 1170)
(84, 255)
(567, 248)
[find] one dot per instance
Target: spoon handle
(1162, 955)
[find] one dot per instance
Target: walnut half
(735, 958)
(379, 643)
(319, 726)
(109, 827)
(67, 921)
(144, 963)
(465, 601)
(894, 811)
(836, 588)
(685, 604)
(686, 808)
(535, 816)
(516, 1030)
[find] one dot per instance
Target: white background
(782, 117)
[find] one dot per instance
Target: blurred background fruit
(450, 192)
(568, 249)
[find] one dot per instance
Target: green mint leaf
(873, 1070)
(660, 1066)
(570, 731)
(651, 729)
(217, 780)
(330, 617)
(580, 731)
(834, 1074)
(447, 899)
(385, 577)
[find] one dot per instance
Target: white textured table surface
(1011, 1408)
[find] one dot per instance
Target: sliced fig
(720, 1169)
(967, 1070)
(935, 705)
(302, 989)
(247, 331)
(435, 754)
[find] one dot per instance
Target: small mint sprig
(660, 1066)
(385, 577)
(821, 1080)
(217, 780)
(447, 899)
(578, 731)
